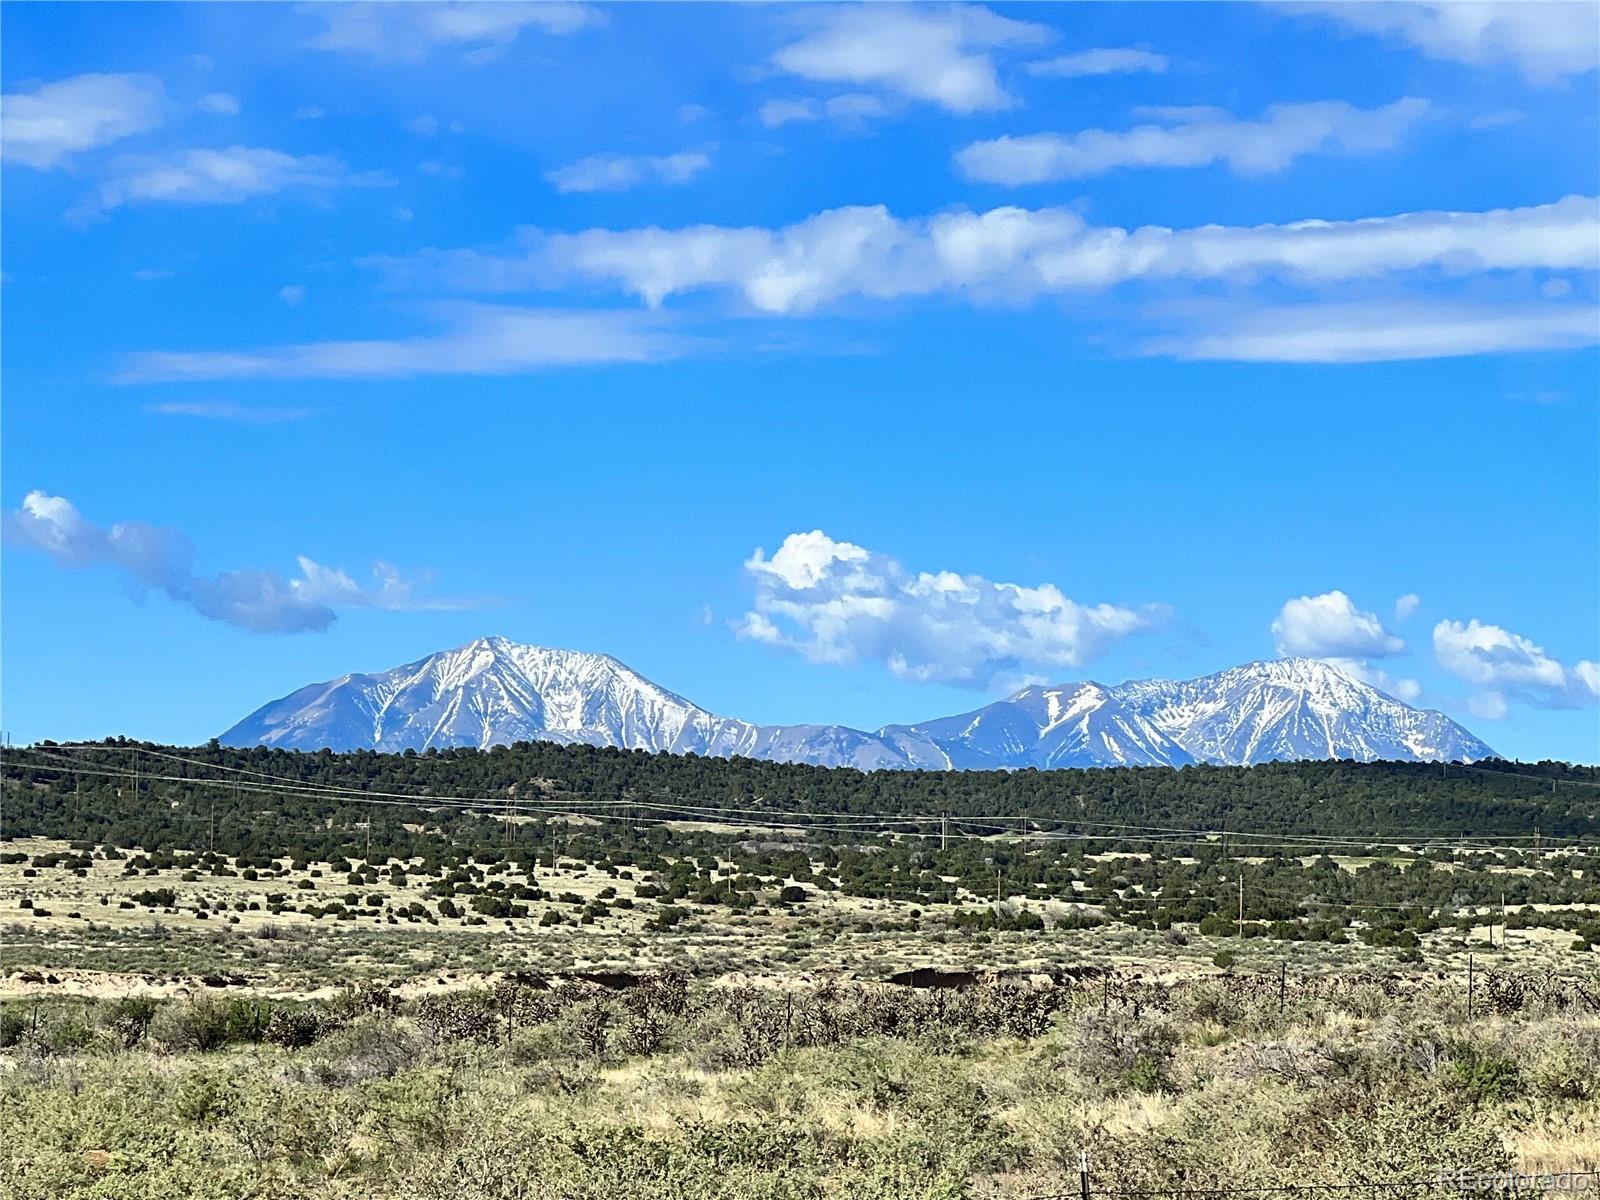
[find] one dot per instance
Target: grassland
(278, 996)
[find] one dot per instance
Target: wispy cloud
(619, 172)
(228, 176)
(1195, 137)
(481, 340)
(227, 410)
(1388, 330)
(835, 602)
(218, 103)
(44, 128)
(1508, 666)
(1109, 61)
(1011, 254)
(152, 558)
(408, 32)
(942, 56)
(851, 107)
(1545, 41)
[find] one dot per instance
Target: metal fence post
(1083, 1175)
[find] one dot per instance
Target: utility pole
(944, 833)
(1470, 982)
(211, 826)
(1504, 928)
(1241, 902)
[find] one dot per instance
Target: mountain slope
(494, 691)
(488, 692)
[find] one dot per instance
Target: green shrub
(1485, 1076)
(129, 1019)
(200, 1023)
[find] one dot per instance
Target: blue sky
(823, 364)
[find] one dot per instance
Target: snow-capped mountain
(493, 691)
(1284, 709)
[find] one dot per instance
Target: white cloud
(158, 559)
(690, 113)
(1195, 137)
(482, 340)
(408, 32)
(1508, 665)
(1406, 606)
(1545, 41)
(45, 127)
(424, 126)
(1391, 330)
(292, 294)
(227, 410)
(1331, 626)
(618, 172)
(775, 113)
(849, 107)
(835, 602)
(218, 102)
(1118, 61)
(1014, 254)
(943, 55)
(228, 176)
(309, 112)
(1409, 690)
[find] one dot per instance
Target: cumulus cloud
(942, 56)
(1389, 330)
(162, 560)
(1011, 254)
(292, 294)
(1546, 41)
(408, 32)
(1331, 626)
(226, 176)
(618, 172)
(1508, 666)
(1109, 61)
(44, 128)
(482, 340)
(1195, 137)
(1406, 606)
(836, 602)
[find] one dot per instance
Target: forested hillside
(136, 794)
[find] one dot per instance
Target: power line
(771, 818)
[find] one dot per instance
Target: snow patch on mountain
(495, 692)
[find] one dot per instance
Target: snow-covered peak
(496, 691)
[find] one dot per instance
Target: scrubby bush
(200, 1023)
(1124, 1051)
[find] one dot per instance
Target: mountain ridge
(494, 691)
